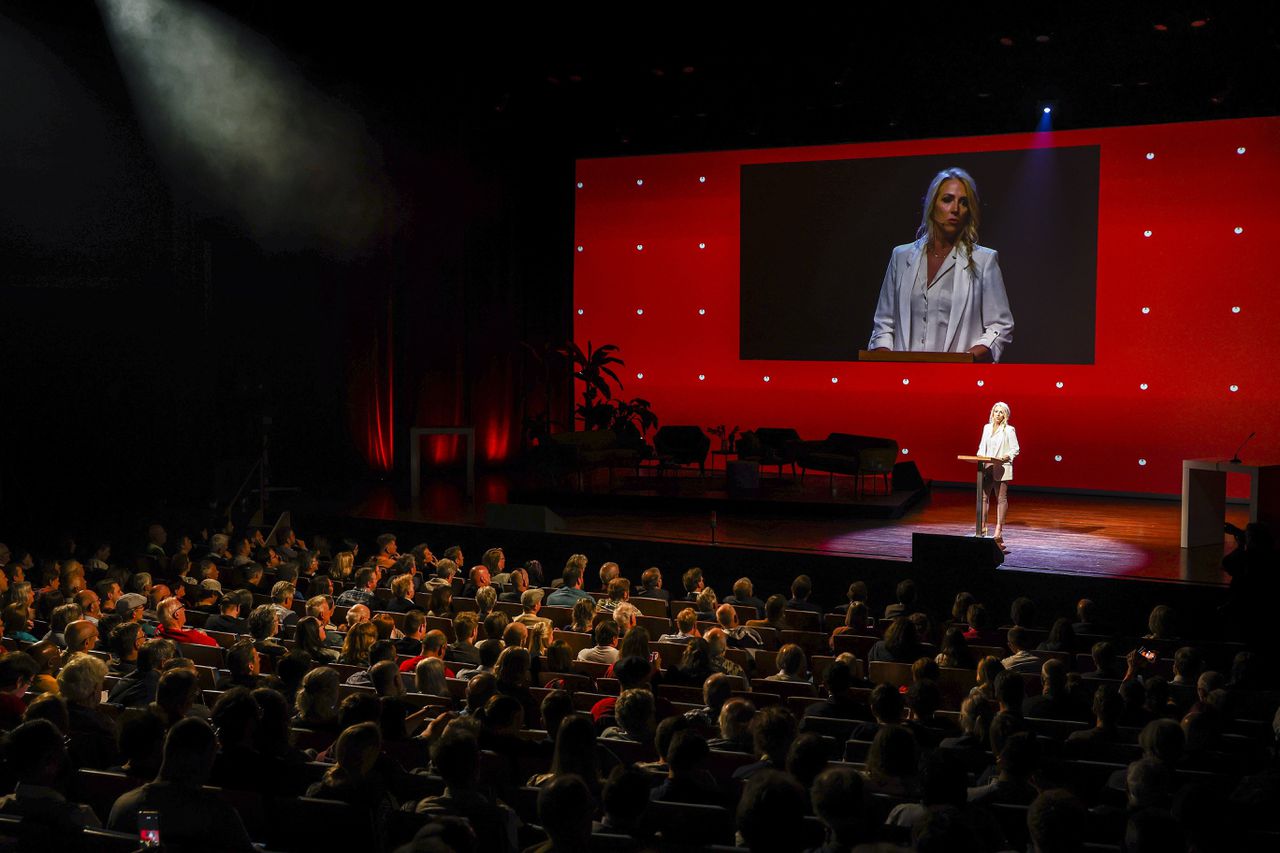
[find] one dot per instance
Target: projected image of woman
(944, 292)
(999, 441)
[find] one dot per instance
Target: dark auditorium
(514, 429)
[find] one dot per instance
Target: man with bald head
(434, 645)
(173, 625)
(81, 636)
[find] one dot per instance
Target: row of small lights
(702, 179)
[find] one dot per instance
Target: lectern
(980, 461)
(1204, 497)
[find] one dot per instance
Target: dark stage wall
(1182, 361)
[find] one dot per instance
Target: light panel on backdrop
(1177, 254)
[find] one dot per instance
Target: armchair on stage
(770, 446)
(858, 456)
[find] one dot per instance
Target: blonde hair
(969, 236)
(999, 407)
(356, 645)
(343, 563)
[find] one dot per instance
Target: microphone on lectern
(1235, 460)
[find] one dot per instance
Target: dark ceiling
(640, 78)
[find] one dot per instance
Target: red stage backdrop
(1185, 358)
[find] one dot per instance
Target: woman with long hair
(317, 701)
(342, 566)
(358, 642)
(584, 610)
(1000, 442)
(441, 602)
(575, 752)
(309, 637)
(356, 780)
(943, 292)
(955, 653)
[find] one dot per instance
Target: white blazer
(979, 304)
(1004, 444)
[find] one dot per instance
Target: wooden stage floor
(1063, 534)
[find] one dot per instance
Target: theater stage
(1073, 535)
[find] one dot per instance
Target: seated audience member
(686, 627)
(1015, 767)
(317, 701)
(138, 688)
(1022, 613)
(856, 619)
(840, 703)
(1021, 659)
(625, 801)
(227, 619)
(893, 764)
(81, 636)
(771, 813)
(693, 583)
(715, 692)
(626, 615)
(651, 585)
(838, 801)
(687, 778)
(563, 818)
(774, 614)
(36, 755)
(357, 643)
(489, 650)
(1107, 708)
(718, 645)
(695, 665)
(366, 581)
(634, 713)
(355, 779)
(970, 747)
(140, 743)
(519, 584)
(576, 753)
(263, 627)
(988, 668)
(434, 645)
(583, 616)
(792, 665)
(924, 700)
(705, 605)
(309, 639)
(737, 636)
(982, 628)
(402, 592)
(735, 719)
(92, 733)
(463, 650)
(1106, 663)
(908, 595)
(954, 653)
(744, 595)
(243, 667)
(1162, 624)
(445, 570)
(1087, 619)
(900, 643)
(172, 615)
(809, 756)
(606, 648)
(888, 708)
(48, 658)
(477, 579)
(455, 757)
(17, 670)
(17, 624)
(62, 616)
(617, 591)
(176, 695)
(772, 731)
(193, 816)
(1062, 638)
(415, 628)
(538, 626)
(570, 591)
(1057, 822)
(1055, 701)
(429, 677)
(801, 589)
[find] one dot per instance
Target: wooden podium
(979, 461)
(916, 357)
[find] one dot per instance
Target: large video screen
(1137, 326)
(820, 278)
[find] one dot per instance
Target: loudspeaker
(941, 555)
(528, 517)
(906, 477)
